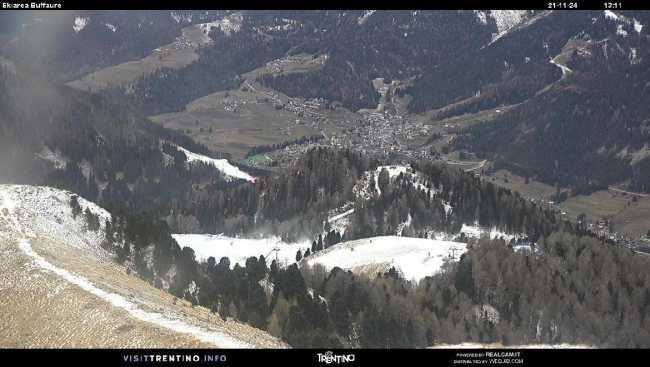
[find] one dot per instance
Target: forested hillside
(359, 46)
(66, 45)
(567, 289)
(588, 130)
(89, 145)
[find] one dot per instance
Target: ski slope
(415, 258)
(240, 249)
(225, 167)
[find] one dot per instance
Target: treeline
(508, 71)
(442, 199)
(104, 151)
(565, 289)
(291, 205)
(307, 139)
(295, 205)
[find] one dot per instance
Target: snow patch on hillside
(623, 20)
(79, 24)
(415, 258)
(610, 15)
(481, 16)
(393, 171)
(475, 231)
(221, 164)
(565, 70)
(209, 336)
(366, 14)
(57, 160)
(240, 249)
(181, 18)
(228, 25)
(111, 27)
(506, 20)
(340, 216)
(368, 186)
(45, 210)
(339, 222)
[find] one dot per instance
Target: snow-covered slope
(221, 164)
(212, 337)
(475, 231)
(55, 265)
(229, 24)
(504, 20)
(368, 186)
(240, 249)
(46, 211)
(416, 258)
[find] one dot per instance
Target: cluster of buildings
(383, 135)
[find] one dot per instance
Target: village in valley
(398, 138)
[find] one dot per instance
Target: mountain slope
(60, 275)
(69, 44)
(590, 128)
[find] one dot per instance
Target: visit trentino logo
(329, 357)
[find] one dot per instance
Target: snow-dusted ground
(79, 24)
(623, 20)
(393, 171)
(337, 217)
(228, 25)
(610, 15)
(475, 231)
(339, 222)
(240, 249)
(38, 221)
(504, 19)
(565, 70)
(48, 212)
(221, 164)
(366, 14)
(57, 160)
(416, 258)
(368, 186)
(214, 337)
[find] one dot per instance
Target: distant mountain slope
(356, 47)
(98, 147)
(589, 129)
(69, 44)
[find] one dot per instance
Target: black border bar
(319, 357)
(331, 4)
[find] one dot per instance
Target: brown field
(40, 309)
(628, 216)
(175, 55)
(254, 123)
(634, 219)
(532, 189)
